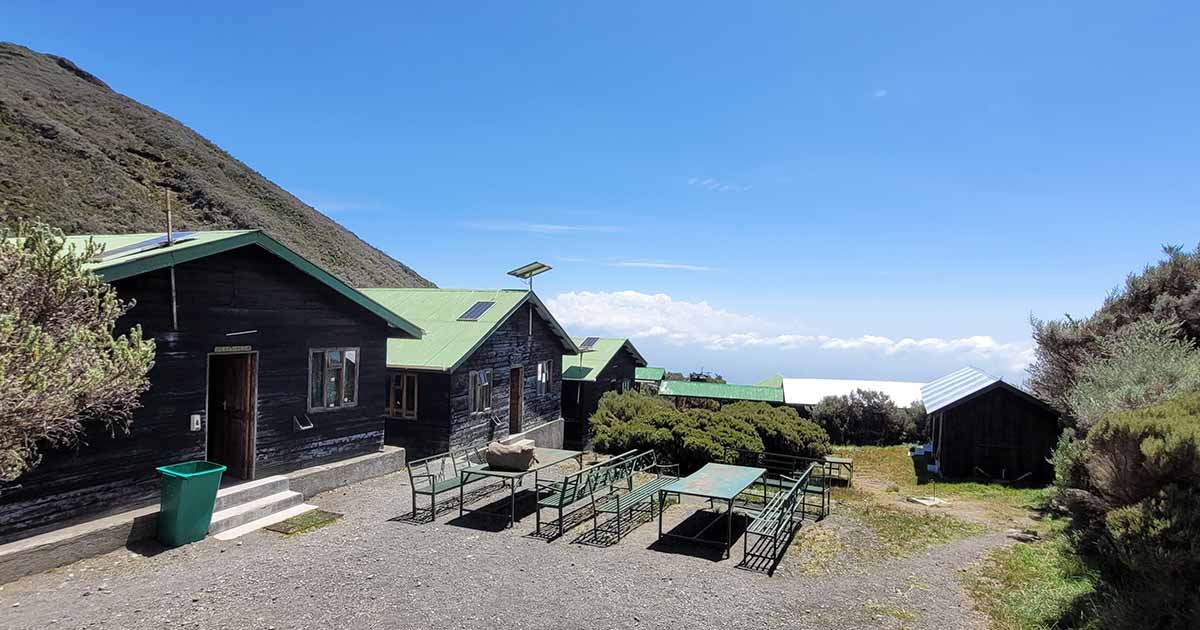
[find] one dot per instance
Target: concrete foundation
(100, 536)
(548, 435)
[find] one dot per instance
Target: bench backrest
(581, 484)
(424, 473)
(790, 500)
(622, 470)
(778, 464)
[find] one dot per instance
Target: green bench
(817, 494)
(434, 475)
(777, 520)
(628, 470)
(577, 487)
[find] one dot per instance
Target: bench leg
(560, 521)
(538, 519)
(414, 503)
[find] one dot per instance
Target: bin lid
(191, 469)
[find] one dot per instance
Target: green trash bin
(189, 491)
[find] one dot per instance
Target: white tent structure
(810, 391)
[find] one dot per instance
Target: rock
(1023, 535)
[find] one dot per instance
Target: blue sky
(750, 188)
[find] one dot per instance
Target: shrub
(867, 417)
(1141, 364)
(60, 364)
(1136, 515)
(691, 438)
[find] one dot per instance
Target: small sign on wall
(228, 349)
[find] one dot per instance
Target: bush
(1136, 515)
(61, 366)
(1141, 364)
(691, 438)
(868, 417)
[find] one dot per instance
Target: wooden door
(516, 390)
(231, 415)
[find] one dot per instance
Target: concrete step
(241, 514)
(257, 524)
(230, 496)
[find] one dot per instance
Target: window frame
(399, 408)
(474, 395)
(343, 370)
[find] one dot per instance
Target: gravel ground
(376, 569)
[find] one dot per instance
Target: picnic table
(715, 482)
(842, 464)
(544, 458)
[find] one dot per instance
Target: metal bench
(817, 494)
(627, 470)
(577, 487)
(777, 519)
(431, 476)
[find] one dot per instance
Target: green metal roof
(721, 391)
(446, 341)
(774, 381)
(203, 244)
(649, 374)
(587, 365)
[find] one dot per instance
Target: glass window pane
(333, 358)
(315, 364)
(333, 381)
(350, 388)
(410, 395)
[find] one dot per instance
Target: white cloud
(541, 228)
(716, 185)
(879, 93)
(659, 316)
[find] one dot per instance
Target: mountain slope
(88, 160)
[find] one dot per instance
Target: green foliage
(691, 438)
(1034, 586)
(1141, 364)
(60, 365)
(1168, 291)
(1136, 515)
(867, 417)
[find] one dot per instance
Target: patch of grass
(901, 614)
(1030, 586)
(817, 549)
(304, 523)
(903, 532)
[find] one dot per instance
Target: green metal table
(842, 464)
(715, 482)
(545, 458)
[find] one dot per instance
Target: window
(402, 397)
(545, 372)
(480, 390)
(332, 378)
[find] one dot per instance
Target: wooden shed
(264, 362)
(604, 364)
(488, 365)
(983, 426)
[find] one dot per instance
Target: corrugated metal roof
(649, 373)
(954, 387)
(810, 391)
(203, 244)
(587, 365)
(720, 391)
(447, 341)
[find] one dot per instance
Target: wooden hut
(648, 379)
(487, 366)
(983, 426)
(603, 365)
(264, 362)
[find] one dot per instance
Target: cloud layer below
(659, 316)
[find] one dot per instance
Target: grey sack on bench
(510, 457)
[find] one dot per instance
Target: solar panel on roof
(476, 311)
(588, 343)
(146, 245)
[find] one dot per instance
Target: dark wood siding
(582, 398)
(242, 290)
(1001, 433)
(509, 346)
(429, 433)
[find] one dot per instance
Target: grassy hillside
(88, 160)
